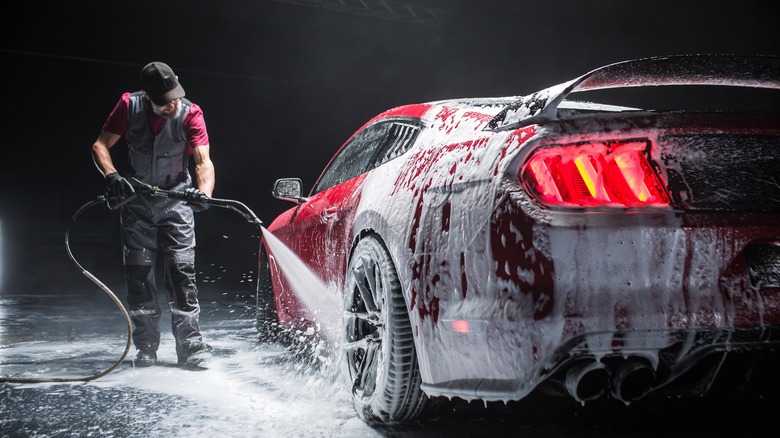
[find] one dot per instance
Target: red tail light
(600, 174)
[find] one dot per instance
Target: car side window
(369, 148)
(354, 157)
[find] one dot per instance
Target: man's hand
(119, 188)
(196, 198)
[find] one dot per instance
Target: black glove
(196, 199)
(119, 188)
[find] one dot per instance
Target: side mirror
(288, 189)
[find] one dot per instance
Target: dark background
(282, 84)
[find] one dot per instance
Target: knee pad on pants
(140, 284)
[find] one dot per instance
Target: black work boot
(194, 354)
(145, 358)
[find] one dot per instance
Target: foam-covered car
(486, 248)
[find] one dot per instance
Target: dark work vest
(159, 160)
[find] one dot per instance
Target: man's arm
(204, 169)
(101, 154)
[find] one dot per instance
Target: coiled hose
(98, 200)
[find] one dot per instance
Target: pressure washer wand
(236, 206)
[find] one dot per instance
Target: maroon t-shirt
(194, 124)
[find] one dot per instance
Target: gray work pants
(160, 227)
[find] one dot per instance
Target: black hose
(98, 200)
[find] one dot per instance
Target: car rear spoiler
(754, 71)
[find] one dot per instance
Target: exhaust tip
(632, 379)
(587, 381)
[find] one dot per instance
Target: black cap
(160, 83)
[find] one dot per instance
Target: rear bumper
(635, 364)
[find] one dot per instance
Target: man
(162, 130)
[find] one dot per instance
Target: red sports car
(487, 248)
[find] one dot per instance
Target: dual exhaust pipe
(626, 379)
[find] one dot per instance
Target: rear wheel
(379, 345)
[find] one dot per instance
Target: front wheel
(379, 345)
(267, 320)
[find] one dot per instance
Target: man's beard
(173, 115)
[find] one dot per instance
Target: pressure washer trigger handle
(138, 184)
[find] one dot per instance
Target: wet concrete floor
(253, 389)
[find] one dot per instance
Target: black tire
(267, 320)
(380, 354)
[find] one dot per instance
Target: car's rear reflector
(595, 174)
(465, 325)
